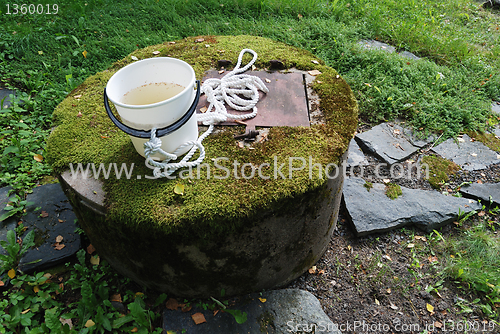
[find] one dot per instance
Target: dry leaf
(186, 308)
(320, 82)
(377, 302)
(429, 308)
(59, 238)
(116, 298)
(203, 110)
(314, 73)
(134, 58)
(410, 245)
(79, 114)
(11, 273)
(263, 300)
(89, 323)
(44, 214)
(438, 324)
(172, 304)
(58, 246)
(387, 257)
(25, 311)
(156, 52)
(267, 80)
(321, 272)
(221, 71)
(481, 213)
(198, 318)
(312, 270)
(38, 157)
(171, 43)
(386, 180)
(479, 181)
(419, 237)
(2, 283)
(61, 221)
(84, 53)
(215, 312)
(94, 260)
(474, 154)
(90, 249)
(36, 289)
(179, 189)
(389, 290)
(315, 61)
(394, 307)
(432, 259)
(199, 40)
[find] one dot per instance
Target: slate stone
(60, 221)
(496, 132)
(11, 222)
(495, 107)
(282, 311)
(388, 142)
(355, 156)
(4, 93)
(483, 192)
(372, 44)
(469, 155)
(372, 211)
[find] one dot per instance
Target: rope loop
(237, 90)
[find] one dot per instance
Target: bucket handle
(146, 134)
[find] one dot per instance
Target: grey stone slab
(409, 55)
(495, 107)
(4, 93)
(483, 192)
(387, 142)
(469, 155)
(279, 311)
(371, 44)
(355, 156)
(496, 132)
(60, 220)
(372, 211)
(11, 222)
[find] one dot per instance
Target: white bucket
(156, 71)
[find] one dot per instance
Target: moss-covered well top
(84, 134)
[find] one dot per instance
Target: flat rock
(8, 224)
(469, 155)
(372, 211)
(53, 217)
(495, 107)
(483, 192)
(277, 311)
(389, 142)
(372, 44)
(4, 93)
(355, 156)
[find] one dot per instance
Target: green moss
(393, 191)
(368, 185)
(265, 319)
(439, 170)
(487, 139)
(209, 206)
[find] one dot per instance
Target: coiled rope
(229, 89)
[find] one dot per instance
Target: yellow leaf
(84, 53)
(179, 189)
(36, 289)
(139, 294)
(377, 302)
(430, 308)
(94, 260)
(40, 53)
(12, 273)
(89, 323)
(263, 300)
(38, 157)
(25, 311)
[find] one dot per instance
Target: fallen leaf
(58, 246)
(394, 307)
(321, 272)
(12, 273)
(386, 180)
(438, 324)
(172, 304)
(79, 114)
(89, 323)
(410, 245)
(377, 302)
(116, 298)
(44, 214)
(314, 73)
(315, 61)
(171, 43)
(134, 58)
(389, 290)
(267, 80)
(299, 16)
(429, 308)
(59, 238)
(2, 283)
(90, 249)
(66, 322)
(36, 289)
(387, 257)
(481, 213)
(38, 157)
(25, 311)
(198, 318)
(94, 260)
(203, 110)
(220, 72)
(349, 247)
(61, 221)
(40, 53)
(320, 82)
(47, 276)
(179, 189)
(444, 312)
(84, 53)
(199, 40)
(156, 52)
(186, 308)
(419, 237)
(432, 259)
(474, 154)
(263, 300)
(312, 270)
(215, 312)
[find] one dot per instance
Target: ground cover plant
(45, 56)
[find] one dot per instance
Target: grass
(47, 56)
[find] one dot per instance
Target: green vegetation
(368, 185)
(393, 191)
(487, 139)
(439, 170)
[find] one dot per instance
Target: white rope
(228, 89)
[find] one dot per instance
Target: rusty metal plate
(284, 105)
